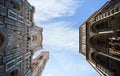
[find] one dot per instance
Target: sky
(61, 20)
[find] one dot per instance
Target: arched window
(99, 42)
(99, 59)
(99, 27)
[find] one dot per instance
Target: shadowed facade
(100, 39)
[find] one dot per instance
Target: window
(109, 13)
(15, 5)
(112, 11)
(9, 21)
(19, 60)
(10, 65)
(117, 9)
(20, 18)
(12, 14)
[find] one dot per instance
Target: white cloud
(58, 35)
(49, 9)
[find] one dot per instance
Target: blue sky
(60, 20)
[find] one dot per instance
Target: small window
(112, 11)
(40, 57)
(10, 65)
(109, 13)
(117, 9)
(14, 5)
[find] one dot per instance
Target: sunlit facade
(19, 38)
(39, 63)
(100, 39)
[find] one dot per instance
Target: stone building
(36, 38)
(39, 63)
(19, 38)
(100, 39)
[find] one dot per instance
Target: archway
(99, 27)
(99, 42)
(14, 73)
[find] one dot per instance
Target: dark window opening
(14, 73)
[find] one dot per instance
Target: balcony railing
(113, 11)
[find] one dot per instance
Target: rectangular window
(19, 59)
(10, 65)
(20, 18)
(17, 54)
(18, 24)
(12, 14)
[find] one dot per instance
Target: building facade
(100, 39)
(36, 38)
(39, 63)
(19, 38)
